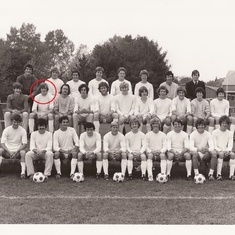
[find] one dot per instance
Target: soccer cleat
(189, 178)
(31, 177)
(71, 176)
(232, 177)
(129, 177)
(219, 177)
(58, 176)
(98, 176)
(150, 178)
(144, 177)
(23, 176)
(168, 177)
(106, 177)
(211, 177)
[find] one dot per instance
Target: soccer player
(223, 142)
(170, 85)
(14, 142)
(94, 83)
(75, 83)
(192, 85)
(40, 148)
(66, 146)
(181, 109)
(17, 103)
(105, 107)
(155, 147)
(136, 147)
(144, 77)
(90, 148)
(202, 148)
(115, 87)
(42, 109)
(84, 107)
(144, 108)
(56, 81)
(27, 80)
(63, 105)
(162, 108)
(114, 148)
(200, 108)
(219, 107)
(125, 105)
(178, 148)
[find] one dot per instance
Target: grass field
(106, 202)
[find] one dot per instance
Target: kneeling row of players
(134, 146)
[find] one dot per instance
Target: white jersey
(58, 84)
(149, 87)
(42, 108)
(87, 103)
(223, 140)
(114, 142)
(135, 142)
(115, 87)
(66, 140)
(94, 85)
(201, 140)
(156, 141)
(90, 143)
(219, 108)
(125, 104)
(144, 108)
(162, 108)
(177, 141)
(181, 106)
(172, 89)
(41, 141)
(200, 108)
(14, 138)
(105, 103)
(74, 93)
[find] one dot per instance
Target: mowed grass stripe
(118, 197)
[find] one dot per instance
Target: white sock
(217, 126)
(163, 166)
(73, 165)
(219, 166)
(97, 126)
(148, 127)
(31, 125)
(231, 167)
(194, 128)
(196, 171)
(232, 128)
(99, 166)
(105, 166)
(123, 166)
(188, 165)
(143, 166)
(57, 166)
(150, 167)
(189, 129)
(51, 126)
(129, 166)
(23, 167)
(210, 129)
(1, 158)
(169, 166)
(80, 167)
(141, 127)
(121, 126)
(211, 172)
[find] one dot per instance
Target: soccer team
(181, 125)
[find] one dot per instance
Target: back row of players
(121, 108)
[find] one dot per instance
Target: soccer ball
(161, 178)
(118, 177)
(38, 177)
(78, 177)
(199, 179)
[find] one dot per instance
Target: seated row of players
(105, 107)
(134, 146)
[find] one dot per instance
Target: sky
(197, 34)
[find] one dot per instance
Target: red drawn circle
(42, 80)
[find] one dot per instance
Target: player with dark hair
(66, 146)
(202, 148)
(90, 149)
(223, 142)
(40, 148)
(14, 142)
(17, 103)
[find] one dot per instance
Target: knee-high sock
(105, 166)
(217, 126)
(219, 166)
(130, 166)
(23, 167)
(148, 127)
(210, 129)
(169, 166)
(189, 129)
(123, 166)
(163, 166)
(97, 126)
(31, 125)
(99, 166)
(121, 126)
(51, 126)
(150, 167)
(143, 166)
(80, 167)
(231, 167)
(57, 165)
(73, 165)
(188, 165)
(232, 128)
